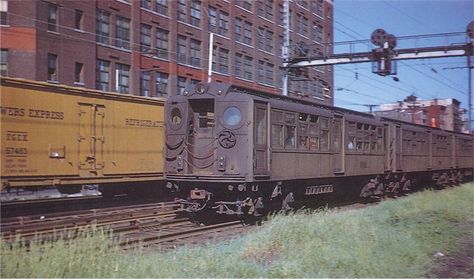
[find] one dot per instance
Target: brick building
(440, 113)
(158, 47)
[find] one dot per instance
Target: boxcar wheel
(69, 190)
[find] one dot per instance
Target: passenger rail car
(241, 151)
(54, 135)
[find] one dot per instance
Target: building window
(303, 3)
(317, 7)
(182, 10)
(238, 65)
(195, 53)
(247, 33)
(161, 84)
(52, 18)
(212, 19)
(238, 29)
(264, 39)
(265, 72)
(103, 75)
(261, 38)
(302, 25)
(52, 67)
(162, 7)
(189, 12)
(246, 4)
(146, 4)
(79, 20)
(181, 85)
(269, 73)
(162, 43)
(103, 27)
(79, 73)
(122, 32)
(222, 63)
(223, 23)
(4, 62)
(145, 38)
(195, 14)
(269, 41)
(261, 71)
(181, 49)
(248, 68)
(145, 83)
(3, 12)
(265, 9)
(122, 74)
(317, 33)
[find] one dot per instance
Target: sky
(355, 84)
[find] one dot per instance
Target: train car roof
(304, 101)
(71, 90)
(310, 102)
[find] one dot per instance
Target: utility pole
(286, 45)
(469, 93)
(470, 38)
(211, 50)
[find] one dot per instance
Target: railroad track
(157, 225)
(45, 225)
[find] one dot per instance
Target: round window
(175, 117)
(232, 116)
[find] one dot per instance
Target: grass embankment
(394, 239)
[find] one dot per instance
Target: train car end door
(260, 163)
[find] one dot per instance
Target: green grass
(394, 239)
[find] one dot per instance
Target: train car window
(261, 122)
(277, 128)
(203, 111)
(324, 134)
(232, 116)
(277, 116)
(313, 118)
(380, 139)
(290, 134)
(373, 138)
(313, 136)
(303, 131)
(206, 119)
(290, 118)
(290, 130)
(277, 135)
(303, 117)
(303, 139)
(351, 136)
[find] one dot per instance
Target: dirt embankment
(458, 264)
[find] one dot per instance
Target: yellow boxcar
(64, 136)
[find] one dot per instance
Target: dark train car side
(239, 150)
(54, 135)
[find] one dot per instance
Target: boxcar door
(91, 136)
(260, 163)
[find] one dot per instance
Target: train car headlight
(200, 88)
(179, 162)
(221, 163)
(175, 118)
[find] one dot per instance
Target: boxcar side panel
(53, 134)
